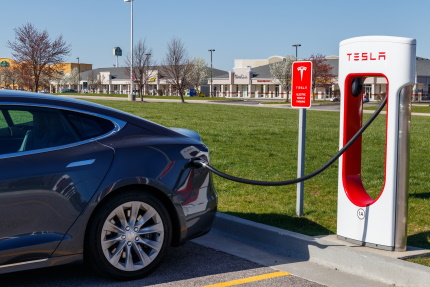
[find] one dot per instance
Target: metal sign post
(117, 52)
(301, 88)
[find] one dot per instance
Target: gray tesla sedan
(84, 181)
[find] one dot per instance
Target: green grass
(316, 102)
(97, 95)
(155, 97)
(192, 98)
(261, 144)
(416, 108)
(425, 260)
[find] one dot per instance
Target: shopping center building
(65, 68)
(253, 79)
(116, 80)
(250, 78)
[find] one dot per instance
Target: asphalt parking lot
(188, 265)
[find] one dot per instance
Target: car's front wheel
(129, 236)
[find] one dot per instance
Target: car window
(88, 126)
(31, 128)
(20, 117)
(3, 123)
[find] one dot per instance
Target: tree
(321, 75)
(176, 66)
(39, 54)
(23, 73)
(94, 81)
(9, 76)
(142, 61)
(70, 79)
(281, 72)
(199, 73)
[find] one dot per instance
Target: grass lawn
(98, 95)
(316, 102)
(416, 108)
(155, 97)
(261, 144)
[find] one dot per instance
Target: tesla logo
(301, 69)
(372, 56)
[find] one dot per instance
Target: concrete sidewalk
(364, 263)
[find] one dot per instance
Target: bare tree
(321, 72)
(94, 81)
(281, 72)
(142, 63)
(23, 73)
(70, 79)
(199, 73)
(176, 66)
(8, 76)
(3, 76)
(37, 51)
(74, 77)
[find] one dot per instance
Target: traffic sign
(301, 84)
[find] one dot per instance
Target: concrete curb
(378, 265)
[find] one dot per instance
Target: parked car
(68, 91)
(366, 98)
(83, 181)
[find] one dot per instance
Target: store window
(244, 90)
(367, 91)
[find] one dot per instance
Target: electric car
(81, 181)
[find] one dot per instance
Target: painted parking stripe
(250, 279)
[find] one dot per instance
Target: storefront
(257, 82)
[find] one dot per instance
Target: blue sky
(236, 29)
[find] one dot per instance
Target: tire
(128, 236)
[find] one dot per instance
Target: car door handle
(81, 163)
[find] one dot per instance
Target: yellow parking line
(250, 279)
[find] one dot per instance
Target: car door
(46, 182)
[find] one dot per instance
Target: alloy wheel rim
(132, 236)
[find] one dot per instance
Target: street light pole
(297, 45)
(146, 69)
(131, 96)
(79, 75)
(211, 93)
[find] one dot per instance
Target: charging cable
(198, 162)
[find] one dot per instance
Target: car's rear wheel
(129, 236)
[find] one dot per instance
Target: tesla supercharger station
(376, 222)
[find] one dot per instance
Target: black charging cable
(198, 162)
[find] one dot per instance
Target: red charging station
(376, 222)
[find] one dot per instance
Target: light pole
(131, 96)
(297, 45)
(146, 69)
(79, 74)
(146, 59)
(211, 93)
